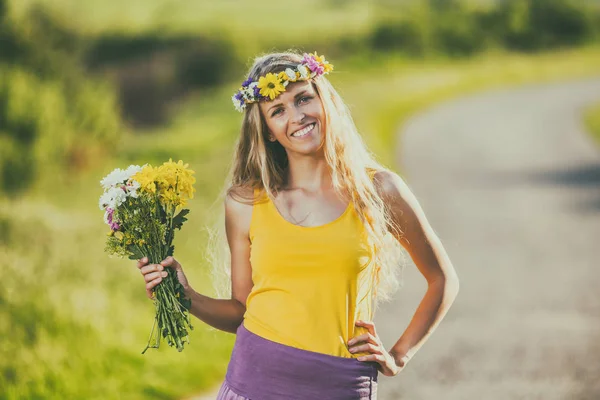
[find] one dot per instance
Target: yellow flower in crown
(270, 85)
(273, 84)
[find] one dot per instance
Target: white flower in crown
(236, 103)
(248, 93)
(304, 71)
(291, 74)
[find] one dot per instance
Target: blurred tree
(456, 30)
(51, 113)
(542, 24)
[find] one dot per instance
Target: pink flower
(313, 64)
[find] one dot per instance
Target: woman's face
(296, 118)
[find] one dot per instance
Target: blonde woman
(314, 228)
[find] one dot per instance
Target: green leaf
(170, 251)
(180, 218)
(135, 253)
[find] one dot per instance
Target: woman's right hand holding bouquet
(154, 273)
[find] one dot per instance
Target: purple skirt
(261, 369)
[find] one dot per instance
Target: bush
(530, 25)
(153, 71)
(457, 32)
(49, 124)
(53, 118)
(403, 36)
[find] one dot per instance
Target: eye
(276, 112)
(304, 99)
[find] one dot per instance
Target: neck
(308, 174)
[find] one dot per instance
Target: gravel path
(511, 183)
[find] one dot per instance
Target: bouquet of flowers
(143, 206)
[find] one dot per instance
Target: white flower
(116, 177)
(304, 72)
(113, 198)
(249, 93)
(106, 218)
(104, 200)
(132, 189)
(132, 170)
(236, 104)
(291, 74)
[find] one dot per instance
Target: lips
(305, 127)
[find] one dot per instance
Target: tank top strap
(258, 213)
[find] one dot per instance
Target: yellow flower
(146, 178)
(270, 86)
(119, 235)
(176, 183)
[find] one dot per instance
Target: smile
(304, 131)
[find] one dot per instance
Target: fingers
(369, 325)
(379, 358)
(155, 275)
(170, 262)
(369, 347)
(154, 279)
(151, 268)
(142, 261)
(365, 337)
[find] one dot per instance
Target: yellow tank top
(311, 284)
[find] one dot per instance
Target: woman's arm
(228, 314)
(223, 314)
(430, 257)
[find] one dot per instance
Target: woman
(314, 227)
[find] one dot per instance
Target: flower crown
(272, 85)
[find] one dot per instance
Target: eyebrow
(279, 104)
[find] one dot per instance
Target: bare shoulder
(238, 209)
(401, 204)
(390, 185)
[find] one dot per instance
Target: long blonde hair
(261, 164)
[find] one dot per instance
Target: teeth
(303, 131)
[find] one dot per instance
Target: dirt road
(511, 183)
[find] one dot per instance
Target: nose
(297, 115)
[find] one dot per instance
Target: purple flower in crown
(247, 82)
(312, 64)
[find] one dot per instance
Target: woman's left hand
(370, 342)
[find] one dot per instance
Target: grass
(74, 321)
(592, 121)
